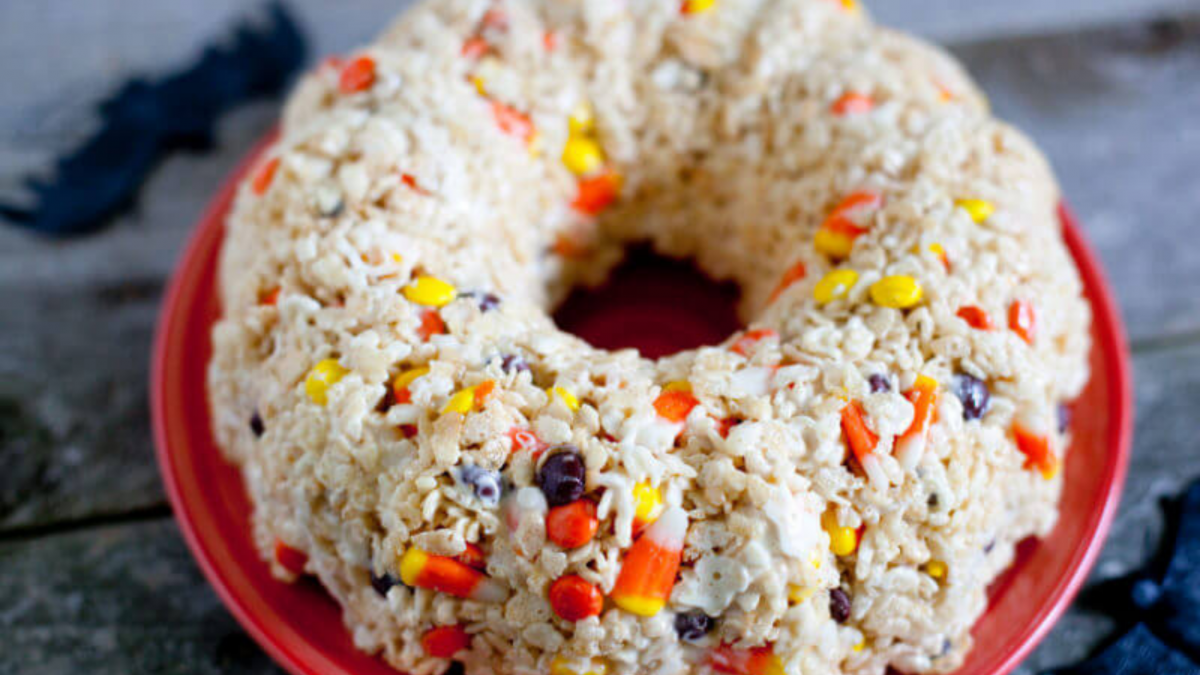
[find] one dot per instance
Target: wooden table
(94, 577)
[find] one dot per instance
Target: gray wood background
(94, 576)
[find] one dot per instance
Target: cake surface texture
(830, 490)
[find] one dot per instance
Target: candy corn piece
(1036, 448)
(447, 575)
(910, 446)
(291, 559)
(754, 661)
(859, 437)
(648, 571)
(647, 505)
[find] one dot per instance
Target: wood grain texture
(119, 600)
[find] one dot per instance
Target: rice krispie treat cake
(829, 491)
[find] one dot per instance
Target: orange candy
(411, 181)
(1021, 320)
(431, 324)
(269, 298)
(512, 121)
(648, 571)
(524, 439)
(795, 273)
(474, 47)
(358, 75)
(292, 560)
(755, 661)
(597, 192)
(853, 103)
(746, 342)
(861, 439)
(1036, 448)
(574, 599)
(572, 525)
(910, 446)
(472, 557)
(444, 642)
(674, 406)
(447, 575)
(265, 176)
(975, 317)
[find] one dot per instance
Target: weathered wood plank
(128, 598)
(124, 600)
(955, 20)
(74, 435)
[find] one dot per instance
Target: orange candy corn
(648, 572)
(910, 446)
(447, 575)
(745, 343)
(1021, 320)
(859, 437)
(1036, 448)
(755, 661)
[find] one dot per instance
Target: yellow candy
(430, 291)
(835, 285)
(461, 402)
(842, 540)
(412, 563)
(936, 569)
(404, 379)
(323, 376)
(647, 503)
(798, 594)
(832, 243)
(979, 209)
(697, 6)
(1051, 470)
(566, 396)
(563, 666)
(898, 292)
(480, 84)
(582, 155)
(862, 644)
(678, 385)
(582, 121)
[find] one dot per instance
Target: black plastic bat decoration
(146, 120)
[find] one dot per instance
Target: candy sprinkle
(323, 376)
(898, 292)
(834, 286)
(696, 6)
(430, 291)
(979, 209)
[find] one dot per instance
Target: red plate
(301, 627)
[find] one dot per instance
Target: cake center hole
(654, 304)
